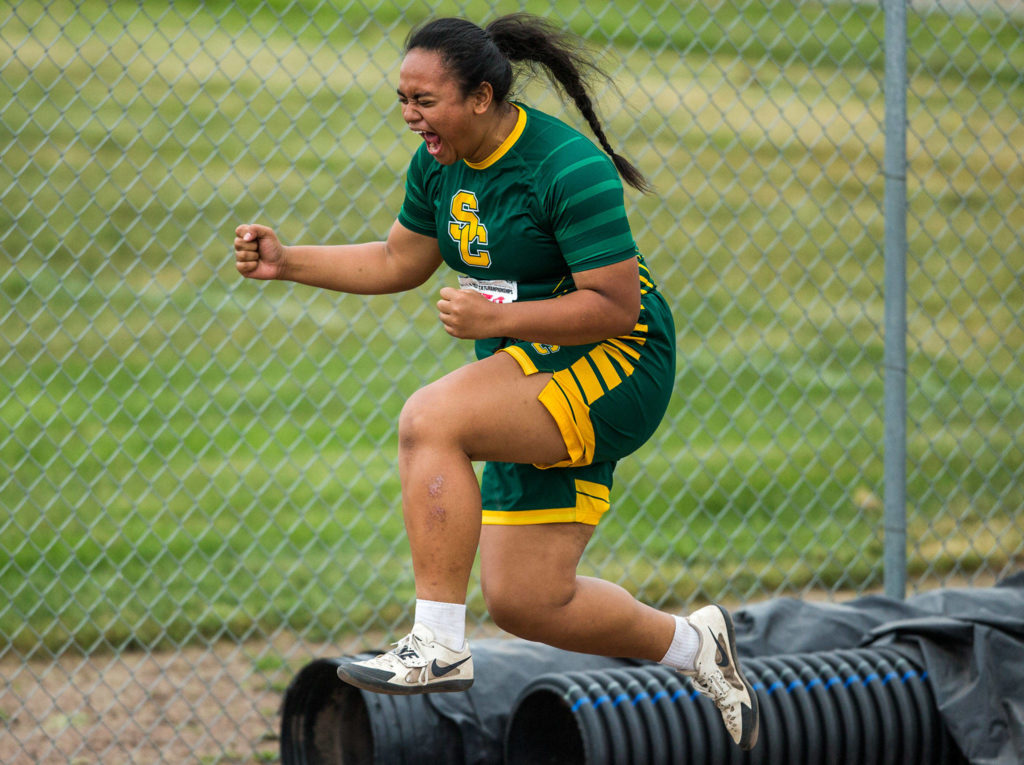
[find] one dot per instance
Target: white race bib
(495, 290)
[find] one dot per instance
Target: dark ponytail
(475, 55)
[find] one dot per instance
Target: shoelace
(411, 644)
(714, 685)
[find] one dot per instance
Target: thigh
(537, 562)
(609, 397)
(491, 408)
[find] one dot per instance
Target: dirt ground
(216, 704)
(210, 705)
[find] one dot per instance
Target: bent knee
(523, 612)
(424, 418)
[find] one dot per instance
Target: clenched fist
(467, 314)
(259, 254)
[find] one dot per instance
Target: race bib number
(495, 290)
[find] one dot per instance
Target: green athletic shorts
(608, 398)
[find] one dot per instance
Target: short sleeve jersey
(548, 202)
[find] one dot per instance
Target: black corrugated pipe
(327, 722)
(839, 707)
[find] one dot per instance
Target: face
(433, 106)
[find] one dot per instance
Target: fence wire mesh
(199, 484)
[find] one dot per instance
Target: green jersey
(548, 202)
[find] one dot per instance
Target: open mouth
(433, 141)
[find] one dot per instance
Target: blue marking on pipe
(795, 684)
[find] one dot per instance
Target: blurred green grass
(190, 456)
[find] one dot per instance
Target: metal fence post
(895, 555)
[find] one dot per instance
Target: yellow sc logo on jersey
(466, 229)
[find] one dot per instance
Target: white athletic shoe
(717, 674)
(417, 664)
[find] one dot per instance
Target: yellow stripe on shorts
(605, 368)
(624, 348)
(564, 400)
(521, 356)
(592, 501)
(587, 378)
(616, 354)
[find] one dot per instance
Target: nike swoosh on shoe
(440, 671)
(724, 661)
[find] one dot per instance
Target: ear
(482, 98)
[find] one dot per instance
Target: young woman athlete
(576, 364)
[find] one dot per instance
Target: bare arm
(606, 304)
(405, 260)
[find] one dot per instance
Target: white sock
(682, 652)
(446, 620)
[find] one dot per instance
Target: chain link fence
(199, 478)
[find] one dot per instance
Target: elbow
(618, 317)
(626, 323)
(411, 281)
(629, 315)
(622, 321)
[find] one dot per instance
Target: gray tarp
(970, 641)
